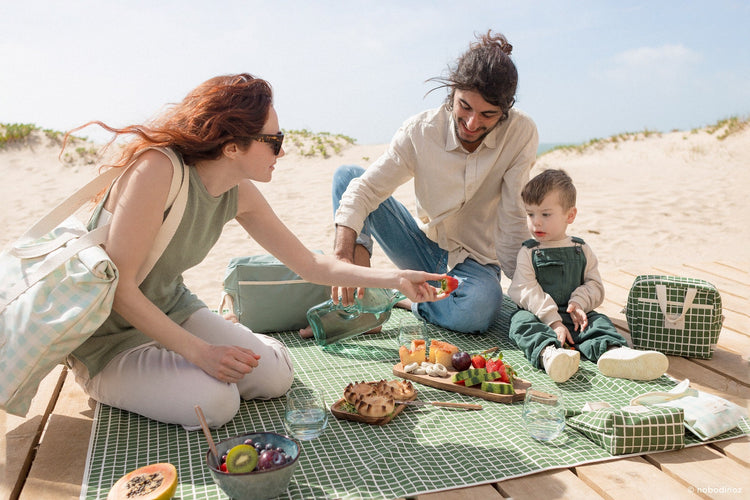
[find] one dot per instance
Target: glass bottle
(332, 323)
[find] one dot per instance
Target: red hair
(220, 110)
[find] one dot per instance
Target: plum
(461, 361)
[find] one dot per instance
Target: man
(469, 159)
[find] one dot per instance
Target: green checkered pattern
(621, 432)
(422, 450)
(646, 320)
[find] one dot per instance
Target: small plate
(338, 411)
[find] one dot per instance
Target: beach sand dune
(645, 199)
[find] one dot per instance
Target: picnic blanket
(422, 450)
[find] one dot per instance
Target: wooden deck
(43, 456)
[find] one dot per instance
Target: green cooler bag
(633, 429)
(673, 315)
(266, 296)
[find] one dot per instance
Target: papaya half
(152, 482)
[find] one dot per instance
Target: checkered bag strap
(23, 248)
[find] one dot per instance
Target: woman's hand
(414, 285)
(227, 363)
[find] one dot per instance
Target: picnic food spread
(445, 366)
(152, 482)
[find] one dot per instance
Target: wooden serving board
(519, 385)
(338, 411)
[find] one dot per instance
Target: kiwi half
(242, 458)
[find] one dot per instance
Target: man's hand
(347, 250)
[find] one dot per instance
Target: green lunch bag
(673, 315)
(266, 296)
(632, 429)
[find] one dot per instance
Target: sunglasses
(274, 140)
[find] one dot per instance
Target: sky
(587, 69)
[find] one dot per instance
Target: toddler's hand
(578, 315)
(563, 334)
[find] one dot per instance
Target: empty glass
(306, 414)
(411, 328)
(544, 413)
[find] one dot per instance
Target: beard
(457, 127)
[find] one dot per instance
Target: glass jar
(332, 323)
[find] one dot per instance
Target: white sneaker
(624, 362)
(560, 364)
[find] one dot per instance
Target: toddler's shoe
(624, 362)
(560, 364)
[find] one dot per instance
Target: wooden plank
(548, 484)
(630, 478)
(737, 449)
(57, 471)
(21, 435)
(485, 491)
(730, 362)
(722, 277)
(739, 273)
(709, 381)
(705, 470)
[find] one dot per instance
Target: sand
(645, 199)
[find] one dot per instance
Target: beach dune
(643, 199)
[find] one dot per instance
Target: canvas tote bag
(57, 285)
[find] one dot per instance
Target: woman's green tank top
(199, 229)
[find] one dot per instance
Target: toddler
(557, 285)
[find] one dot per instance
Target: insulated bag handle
(661, 296)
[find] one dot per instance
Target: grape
(268, 459)
(461, 361)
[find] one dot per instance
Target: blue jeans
(472, 308)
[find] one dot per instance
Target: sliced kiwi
(242, 458)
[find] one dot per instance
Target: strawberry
(494, 365)
(478, 361)
(448, 284)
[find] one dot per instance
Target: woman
(161, 352)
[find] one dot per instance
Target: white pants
(162, 385)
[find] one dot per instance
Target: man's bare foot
(404, 304)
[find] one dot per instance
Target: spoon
(206, 432)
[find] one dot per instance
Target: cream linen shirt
(525, 290)
(468, 203)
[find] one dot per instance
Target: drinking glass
(544, 413)
(411, 328)
(306, 414)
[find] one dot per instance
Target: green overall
(559, 272)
